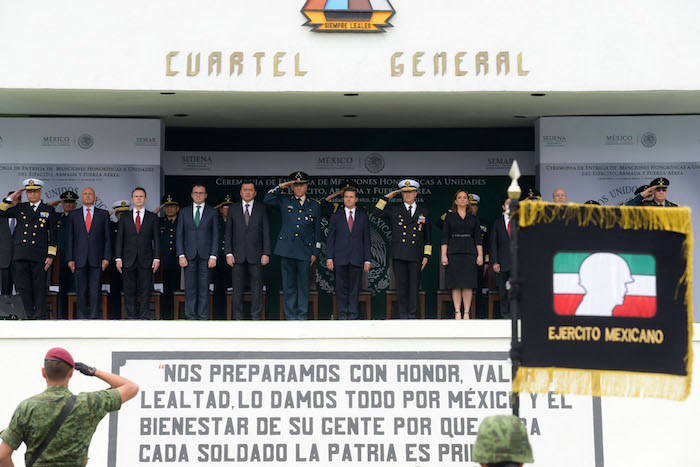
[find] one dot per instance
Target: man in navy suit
(197, 243)
(348, 252)
(88, 252)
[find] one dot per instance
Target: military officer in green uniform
(411, 245)
(65, 276)
(642, 200)
(657, 191)
(35, 245)
(115, 278)
(35, 419)
(298, 243)
(223, 273)
(171, 269)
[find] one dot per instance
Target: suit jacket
(88, 248)
(203, 240)
(410, 236)
(300, 236)
(345, 247)
(137, 249)
(35, 235)
(500, 244)
(247, 242)
(6, 244)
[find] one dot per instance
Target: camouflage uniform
(502, 438)
(35, 416)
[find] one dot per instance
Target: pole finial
(514, 190)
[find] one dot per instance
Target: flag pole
(514, 193)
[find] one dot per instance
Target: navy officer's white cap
(408, 185)
(121, 206)
(33, 184)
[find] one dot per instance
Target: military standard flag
(605, 300)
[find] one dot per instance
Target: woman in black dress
(461, 252)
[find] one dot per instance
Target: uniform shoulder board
(315, 200)
(672, 204)
(443, 216)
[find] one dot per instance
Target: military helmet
(502, 438)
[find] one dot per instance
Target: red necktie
(508, 227)
(350, 222)
(138, 221)
(88, 220)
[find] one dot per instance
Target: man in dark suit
(88, 252)
(247, 249)
(410, 243)
(501, 257)
(34, 245)
(136, 253)
(197, 245)
(348, 252)
(7, 230)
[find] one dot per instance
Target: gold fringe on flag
(603, 382)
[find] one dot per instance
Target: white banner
(339, 163)
(111, 155)
(607, 158)
(332, 408)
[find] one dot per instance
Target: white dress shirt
(413, 209)
(250, 206)
(92, 212)
(194, 210)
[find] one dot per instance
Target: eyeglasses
(661, 188)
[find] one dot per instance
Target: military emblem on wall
(348, 15)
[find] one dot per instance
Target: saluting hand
(55, 203)
(286, 184)
(393, 193)
(17, 194)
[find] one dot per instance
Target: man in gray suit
(247, 249)
(197, 244)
